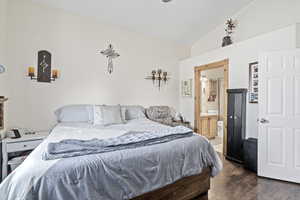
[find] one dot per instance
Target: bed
(179, 169)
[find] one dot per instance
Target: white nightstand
(24, 143)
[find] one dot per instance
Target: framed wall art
(253, 82)
(186, 88)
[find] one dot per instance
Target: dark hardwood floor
(236, 183)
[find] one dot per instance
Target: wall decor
(44, 66)
(253, 82)
(230, 25)
(158, 77)
(44, 73)
(110, 53)
(2, 69)
(186, 88)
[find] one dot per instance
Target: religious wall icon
(44, 66)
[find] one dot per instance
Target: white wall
(239, 55)
(298, 35)
(3, 77)
(213, 74)
(75, 42)
(259, 17)
(4, 91)
(3, 9)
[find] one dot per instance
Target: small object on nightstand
(17, 133)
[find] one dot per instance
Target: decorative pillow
(75, 113)
(159, 112)
(134, 112)
(107, 115)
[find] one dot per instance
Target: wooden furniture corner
(189, 188)
(2, 100)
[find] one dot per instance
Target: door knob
(263, 121)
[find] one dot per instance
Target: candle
(55, 73)
(31, 71)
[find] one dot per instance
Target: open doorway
(211, 83)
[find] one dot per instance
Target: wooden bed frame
(190, 188)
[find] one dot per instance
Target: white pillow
(134, 112)
(108, 115)
(123, 113)
(98, 120)
(75, 113)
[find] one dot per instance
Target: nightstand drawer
(22, 146)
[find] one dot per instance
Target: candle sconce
(158, 77)
(31, 74)
(44, 72)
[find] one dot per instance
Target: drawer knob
(24, 145)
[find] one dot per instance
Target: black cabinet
(250, 154)
(236, 123)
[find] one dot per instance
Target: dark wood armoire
(236, 123)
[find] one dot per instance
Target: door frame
(198, 93)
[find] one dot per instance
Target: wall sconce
(54, 74)
(158, 77)
(44, 72)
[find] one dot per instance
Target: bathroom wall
(212, 74)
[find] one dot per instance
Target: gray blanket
(72, 147)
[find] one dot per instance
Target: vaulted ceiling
(181, 21)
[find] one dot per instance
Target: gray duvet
(121, 174)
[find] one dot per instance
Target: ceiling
(181, 21)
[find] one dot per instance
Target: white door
(279, 116)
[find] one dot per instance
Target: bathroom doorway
(211, 83)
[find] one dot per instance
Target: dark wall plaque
(44, 66)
